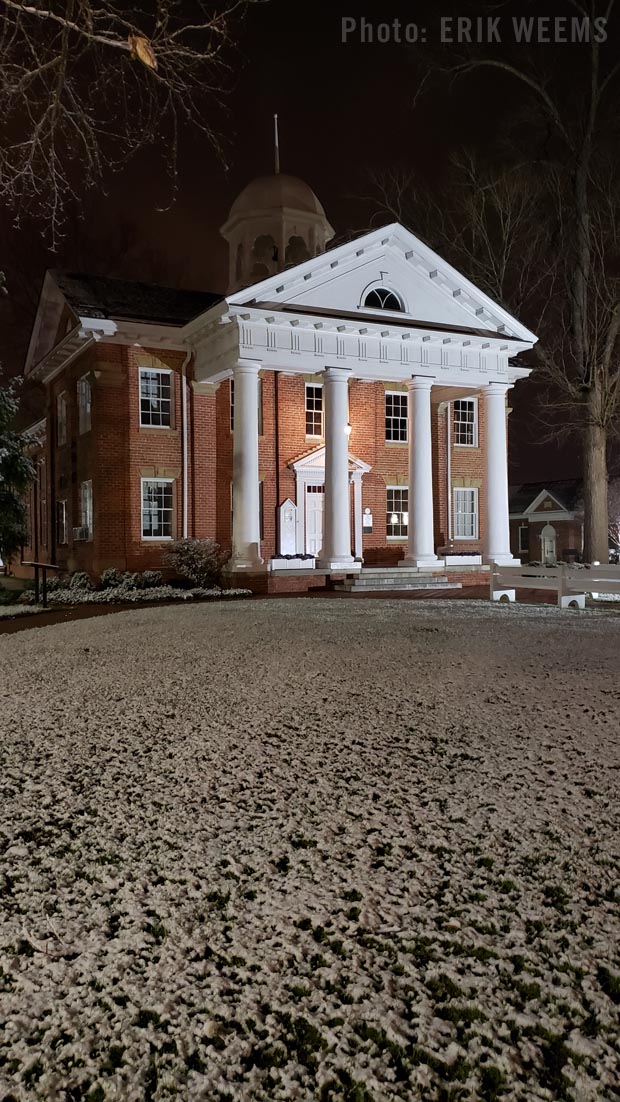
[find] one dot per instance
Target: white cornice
(298, 344)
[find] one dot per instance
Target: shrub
(199, 560)
(151, 578)
(130, 580)
(56, 582)
(80, 580)
(110, 578)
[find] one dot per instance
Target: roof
(379, 318)
(101, 297)
(566, 492)
(275, 192)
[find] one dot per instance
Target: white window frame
(86, 506)
(85, 403)
(307, 412)
(62, 537)
(156, 371)
(458, 513)
(42, 489)
(403, 537)
(455, 424)
(61, 418)
(157, 539)
(402, 395)
(379, 286)
(524, 528)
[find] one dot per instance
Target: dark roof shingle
(101, 297)
(566, 491)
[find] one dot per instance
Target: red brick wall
(569, 537)
(118, 451)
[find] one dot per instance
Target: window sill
(157, 428)
(157, 539)
(397, 539)
(397, 443)
(468, 447)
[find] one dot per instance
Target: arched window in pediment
(382, 298)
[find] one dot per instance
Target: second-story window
(396, 416)
(155, 398)
(84, 403)
(314, 409)
(466, 422)
(61, 419)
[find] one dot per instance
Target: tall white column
(336, 553)
(497, 535)
(246, 509)
(357, 518)
(421, 540)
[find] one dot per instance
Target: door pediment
(313, 462)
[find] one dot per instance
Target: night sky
(344, 109)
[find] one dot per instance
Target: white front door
(549, 551)
(315, 500)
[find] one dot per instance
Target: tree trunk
(595, 526)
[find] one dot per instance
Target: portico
(326, 476)
(314, 322)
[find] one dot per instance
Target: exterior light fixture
(394, 518)
(348, 429)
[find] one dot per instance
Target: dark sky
(345, 109)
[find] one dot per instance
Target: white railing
(570, 583)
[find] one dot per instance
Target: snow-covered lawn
(18, 610)
(311, 849)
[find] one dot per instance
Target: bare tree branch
(84, 85)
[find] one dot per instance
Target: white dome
(275, 192)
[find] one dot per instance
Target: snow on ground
(18, 610)
(311, 849)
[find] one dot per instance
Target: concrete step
(394, 587)
(400, 570)
(397, 579)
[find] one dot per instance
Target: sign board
(288, 527)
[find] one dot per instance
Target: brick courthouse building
(334, 408)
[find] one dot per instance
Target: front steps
(376, 579)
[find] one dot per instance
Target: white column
(421, 541)
(497, 534)
(357, 517)
(336, 553)
(246, 510)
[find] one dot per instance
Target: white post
(421, 539)
(336, 552)
(357, 517)
(246, 509)
(497, 535)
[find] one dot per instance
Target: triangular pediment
(430, 290)
(545, 502)
(314, 460)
